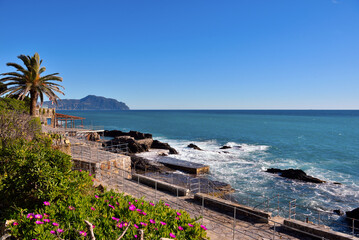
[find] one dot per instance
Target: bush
(15, 125)
(13, 104)
(32, 172)
(110, 214)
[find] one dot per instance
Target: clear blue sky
(189, 54)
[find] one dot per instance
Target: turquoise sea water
(325, 144)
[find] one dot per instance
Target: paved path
(220, 226)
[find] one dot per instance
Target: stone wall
(107, 170)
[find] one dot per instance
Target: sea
(323, 143)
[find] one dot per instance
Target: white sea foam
(243, 167)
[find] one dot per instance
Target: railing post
(353, 227)
(234, 221)
(278, 203)
(274, 231)
(156, 191)
(202, 208)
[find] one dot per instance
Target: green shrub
(33, 172)
(7, 103)
(109, 213)
(15, 125)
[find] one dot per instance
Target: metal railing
(229, 225)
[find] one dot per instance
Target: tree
(28, 81)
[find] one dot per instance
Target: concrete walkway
(220, 226)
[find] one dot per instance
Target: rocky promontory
(296, 174)
(137, 142)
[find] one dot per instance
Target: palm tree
(28, 81)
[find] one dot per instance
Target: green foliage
(15, 125)
(109, 213)
(7, 103)
(32, 172)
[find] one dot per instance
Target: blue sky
(188, 54)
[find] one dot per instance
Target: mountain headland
(90, 102)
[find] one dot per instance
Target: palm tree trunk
(33, 99)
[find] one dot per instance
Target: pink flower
(152, 204)
(152, 221)
(30, 215)
(46, 220)
(119, 225)
(179, 214)
(46, 215)
(93, 209)
(52, 232)
(129, 203)
(80, 170)
(111, 196)
(46, 203)
(15, 224)
(135, 225)
(135, 236)
(39, 222)
(117, 204)
(111, 206)
(190, 225)
(93, 226)
(97, 196)
(141, 203)
(90, 174)
(55, 224)
(83, 233)
(59, 230)
(143, 224)
(163, 223)
(71, 208)
(203, 227)
(177, 218)
(167, 204)
(135, 200)
(156, 228)
(144, 213)
(132, 208)
(180, 228)
(38, 216)
(172, 235)
(116, 219)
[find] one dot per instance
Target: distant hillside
(91, 102)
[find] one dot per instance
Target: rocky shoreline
(138, 142)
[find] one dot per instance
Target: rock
(138, 135)
(353, 214)
(132, 145)
(296, 174)
(163, 154)
(140, 163)
(160, 145)
(100, 188)
(225, 147)
(135, 134)
(94, 136)
(337, 183)
(339, 212)
(194, 146)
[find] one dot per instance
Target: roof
(60, 115)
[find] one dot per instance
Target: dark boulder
(296, 174)
(138, 135)
(114, 133)
(194, 146)
(160, 145)
(353, 214)
(143, 164)
(132, 145)
(225, 147)
(135, 134)
(339, 212)
(94, 136)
